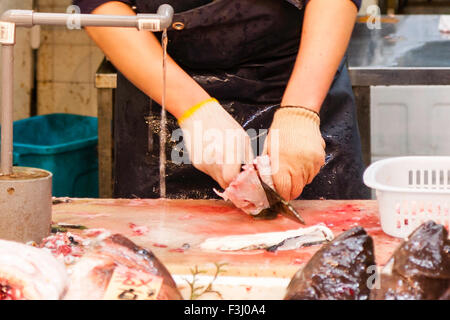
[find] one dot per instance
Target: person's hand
(217, 144)
(296, 149)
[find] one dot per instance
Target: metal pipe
(22, 18)
(166, 13)
(27, 18)
(85, 20)
(7, 109)
(151, 22)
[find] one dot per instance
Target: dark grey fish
(419, 269)
(338, 271)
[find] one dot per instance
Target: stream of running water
(163, 129)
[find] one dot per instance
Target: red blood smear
(138, 231)
(348, 208)
(248, 289)
(351, 292)
(297, 261)
(65, 250)
(179, 250)
(93, 233)
(341, 216)
(211, 209)
(157, 245)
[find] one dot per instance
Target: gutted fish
(113, 267)
(246, 191)
(419, 269)
(338, 271)
(288, 240)
(28, 273)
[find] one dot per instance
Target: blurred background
(59, 75)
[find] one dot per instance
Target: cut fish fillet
(304, 236)
(246, 191)
(28, 273)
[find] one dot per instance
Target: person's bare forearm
(327, 28)
(138, 55)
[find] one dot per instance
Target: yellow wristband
(192, 110)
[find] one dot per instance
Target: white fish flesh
(288, 240)
(246, 191)
(28, 273)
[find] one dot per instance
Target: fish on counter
(29, 273)
(246, 191)
(97, 265)
(113, 267)
(253, 192)
(419, 269)
(271, 241)
(337, 271)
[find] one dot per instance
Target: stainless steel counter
(407, 50)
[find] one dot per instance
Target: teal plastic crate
(64, 144)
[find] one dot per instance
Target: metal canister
(25, 205)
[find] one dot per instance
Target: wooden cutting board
(174, 229)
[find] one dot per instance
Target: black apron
(242, 52)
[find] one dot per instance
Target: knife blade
(279, 204)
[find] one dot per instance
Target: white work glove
(296, 149)
(217, 144)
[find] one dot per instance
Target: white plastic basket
(410, 191)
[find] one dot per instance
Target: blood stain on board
(158, 245)
(138, 230)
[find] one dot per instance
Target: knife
(278, 204)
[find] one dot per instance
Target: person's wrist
(294, 121)
(297, 116)
(305, 108)
(295, 97)
(192, 111)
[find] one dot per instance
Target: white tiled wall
(67, 62)
(412, 120)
